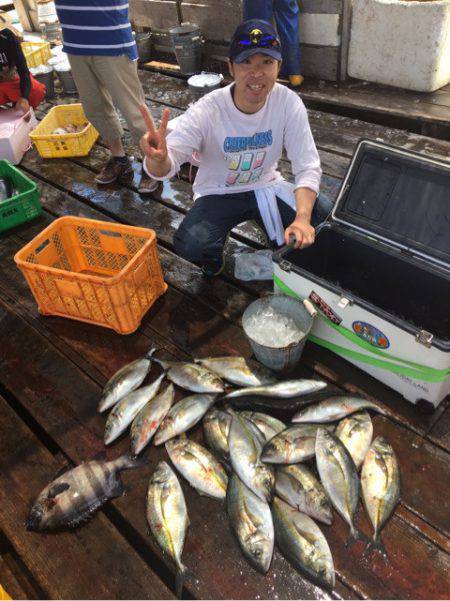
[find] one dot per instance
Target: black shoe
(114, 170)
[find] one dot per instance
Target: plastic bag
(256, 265)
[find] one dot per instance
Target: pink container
(14, 133)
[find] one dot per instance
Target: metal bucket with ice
(277, 327)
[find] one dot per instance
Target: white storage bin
(379, 272)
(14, 133)
(402, 44)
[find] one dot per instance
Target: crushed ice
(273, 329)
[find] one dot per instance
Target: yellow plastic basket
(103, 273)
(52, 146)
(36, 53)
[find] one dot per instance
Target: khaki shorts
(106, 83)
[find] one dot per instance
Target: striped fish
(74, 495)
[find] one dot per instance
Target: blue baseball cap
(254, 36)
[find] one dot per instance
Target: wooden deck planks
(72, 564)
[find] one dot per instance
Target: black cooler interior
(403, 200)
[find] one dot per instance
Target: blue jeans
(203, 232)
(286, 17)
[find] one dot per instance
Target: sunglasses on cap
(258, 40)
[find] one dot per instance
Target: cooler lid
(400, 197)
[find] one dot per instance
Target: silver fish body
(127, 408)
(299, 487)
(301, 541)
(339, 477)
(191, 376)
(183, 416)
(125, 380)
(356, 432)
(380, 482)
(200, 468)
(269, 426)
(167, 513)
(245, 455)
(73, 496)
(292, 445)
(216, 428)
(333, 409)
(251, 520)
(239, 371)
(287, 389)
(148, 419)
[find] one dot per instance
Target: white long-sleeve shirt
(238, 152)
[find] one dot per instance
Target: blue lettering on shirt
(241, 143)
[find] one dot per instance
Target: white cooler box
(14, 133)
(379, 271)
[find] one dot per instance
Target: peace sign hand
(153, 143)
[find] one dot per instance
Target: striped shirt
(96, 27)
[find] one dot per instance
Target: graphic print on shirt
(245, 157)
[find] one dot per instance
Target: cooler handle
(310, 307)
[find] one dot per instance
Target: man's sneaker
(147, 185)
(114, 170)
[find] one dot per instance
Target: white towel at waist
(268, 208)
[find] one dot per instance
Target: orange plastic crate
(102, 273)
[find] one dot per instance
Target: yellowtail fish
(239, 371)
(380, 481)
(125, 380)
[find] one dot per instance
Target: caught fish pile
(276, 479)
(70, 128)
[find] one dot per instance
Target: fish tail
(355, 535)
(128, 461)
(376, 545)
(181, 575)
(150, 353)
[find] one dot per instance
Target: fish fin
(82, 519)
(57, 489)
(226, 465)
(61, 470)
(118, 489)
(355, 535)
(100, 456)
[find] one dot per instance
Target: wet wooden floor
(52, 371)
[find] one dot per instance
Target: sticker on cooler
(324, 307)
(370, 334)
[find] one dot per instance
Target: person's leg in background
(286, 17)
(202, 234)
(99, 110)
(10, 91)
(257, 9)
(119, 76)
(37, 92)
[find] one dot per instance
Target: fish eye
(257, 551)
